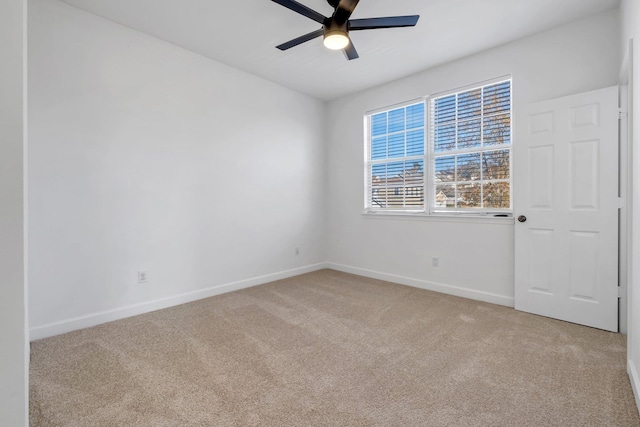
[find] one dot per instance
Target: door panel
(540, 260)
(541, 161)
(584, 175)
(566, 184)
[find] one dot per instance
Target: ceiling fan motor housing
(333, 27)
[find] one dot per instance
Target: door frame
(624, 224)
(625, 83)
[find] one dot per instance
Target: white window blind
(470, 150)
(395, 162)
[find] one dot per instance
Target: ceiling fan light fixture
(336, 35)
(336, 40)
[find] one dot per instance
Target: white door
(566, 205)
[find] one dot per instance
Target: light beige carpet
(329, 348)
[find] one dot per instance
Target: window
(467, 163)
(395, 159)
(471, 149)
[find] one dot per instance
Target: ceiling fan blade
(386, 22)
(301, 9)
(344, 10)
(350, 51)
(300, 40)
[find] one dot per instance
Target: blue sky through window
(396, 134)
(397, 162)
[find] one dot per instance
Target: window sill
(440, 217)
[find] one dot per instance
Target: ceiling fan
(335, 29)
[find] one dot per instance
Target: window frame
(431, 183)
(368, 161)
(428, 210)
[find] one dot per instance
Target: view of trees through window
(471, 134)
(469, 157)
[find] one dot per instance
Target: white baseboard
(635, 381)
(431, 286)
(87, 321)
(94, 319)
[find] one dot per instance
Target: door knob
(522, 218)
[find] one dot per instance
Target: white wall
(138, 151)
(146, 156)
(630, 16)
(476, 257)
(13, 335)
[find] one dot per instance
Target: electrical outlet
(435, 262)
(143, 277)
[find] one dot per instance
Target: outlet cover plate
(143, 277)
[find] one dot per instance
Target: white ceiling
(243, 34)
